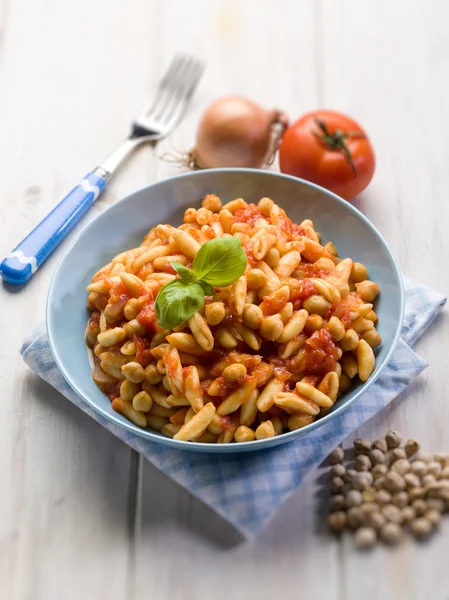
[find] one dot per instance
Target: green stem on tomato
(337, 140)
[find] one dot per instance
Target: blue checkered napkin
(248, 489)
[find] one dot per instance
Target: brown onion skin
(234, 132)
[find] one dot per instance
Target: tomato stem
(337, 140)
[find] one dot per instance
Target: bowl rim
(236, 446)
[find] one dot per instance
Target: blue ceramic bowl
(123, 225)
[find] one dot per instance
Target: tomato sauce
(248, 249)
(94, 321)
(272, 305)
(305, 290)
(320, 353)
(119, 293)
(249, 215)
(143, 352)
(147, 315)
(311, 270)
(230, 422)
(297, 230)
(280, 369)
(285, 224)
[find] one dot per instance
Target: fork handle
(21, 264)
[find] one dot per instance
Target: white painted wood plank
(71, 80)
(68, 485)
(183, 550)
(389, 71)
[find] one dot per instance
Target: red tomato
(329, 149)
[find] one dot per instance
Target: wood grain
(82, 515)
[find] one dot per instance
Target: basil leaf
(220, 261)
(207, 288)
(178, 301)
(186, 274)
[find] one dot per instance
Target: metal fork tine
(174, 87)
(187, 85)
(171, 98)
(163, 86)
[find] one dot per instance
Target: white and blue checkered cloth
(248, 489)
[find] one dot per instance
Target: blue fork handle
(21, 264)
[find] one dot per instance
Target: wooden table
(82, 515)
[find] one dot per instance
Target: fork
(156, 121)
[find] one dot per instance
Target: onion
(236, 132)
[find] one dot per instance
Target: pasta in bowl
(270, 353)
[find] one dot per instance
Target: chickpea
(354, 517)
(363, 463)
(394, 482)
(234, 372)
(336, 328)
(419, 506)
(337, 484)
(368, 290)
(442, 458)
(337, 502)
(401, 499)
(380, 445)
(134, 372)
(379, 470)
(412, 480)
(377, 457)
(271, 328)
(394, 455)
(401, 466)
(433, 516)
(350, 341)
(265, 205)
(362, 446)
(329, 247)
(316, 305)
(265, 430)
(244, 434)
(256, 279)
(365, 537)
(383, 497)
(128, 390)
(421, 527)
(359, 272)
(142, 401)
(337, 521)
(353, 498)
(314, 323)
(336, 456)
(436, 504)
(152, 375)
(211, 202)
(371, 337)
(190, 215)
(392, 513)
(362, 480)
(434, 468)
(393, 438)
(411, 447)
(391, 533)
(338, 470)
(419, 468)
(215, 313)
(252, 316)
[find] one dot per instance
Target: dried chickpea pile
(390, 490)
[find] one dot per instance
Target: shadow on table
(89, 462)
(166, 505)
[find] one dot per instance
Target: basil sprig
(218, 263)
